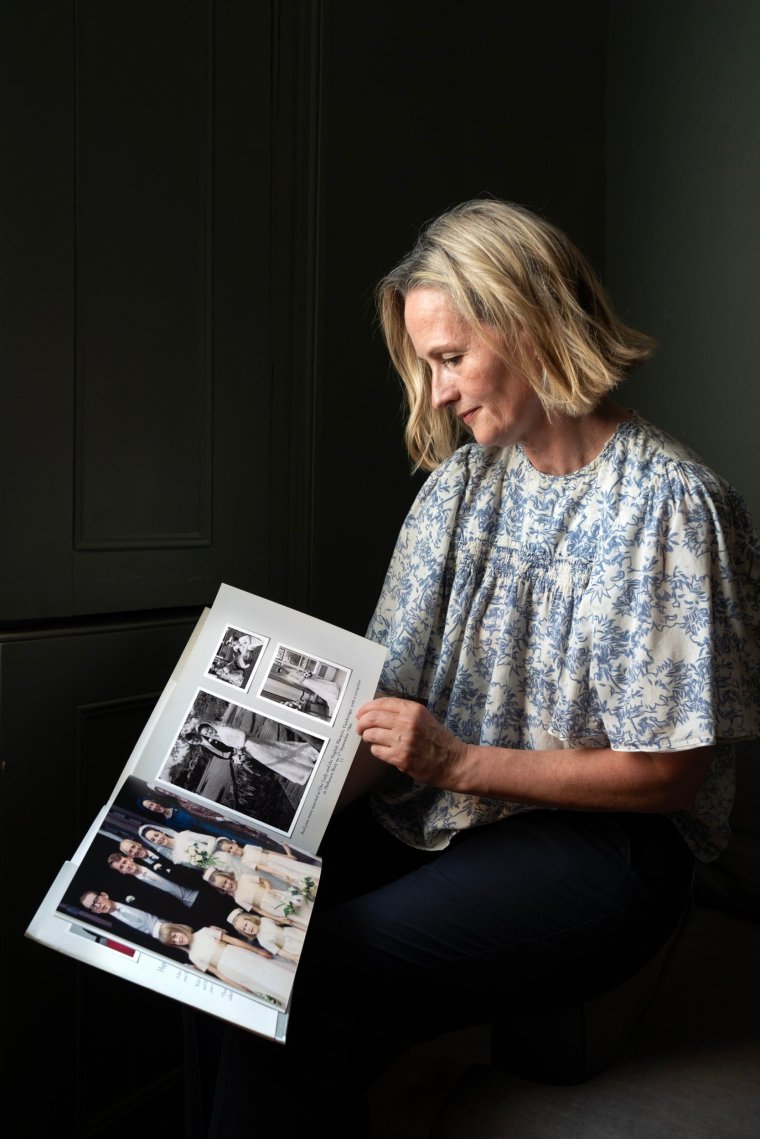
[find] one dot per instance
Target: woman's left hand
(405, 735)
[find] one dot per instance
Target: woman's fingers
(404, 734)
(384, 711)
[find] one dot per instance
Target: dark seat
(571, 1045)
(689, 1070)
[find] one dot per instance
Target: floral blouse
(617, 606)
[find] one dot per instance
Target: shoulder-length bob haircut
(532, 296)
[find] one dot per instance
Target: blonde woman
(231, 960)
(571, 619)
(257, 895)
(283, 941)
(284, 865)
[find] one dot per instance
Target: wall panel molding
(296, 233)
(143, 384)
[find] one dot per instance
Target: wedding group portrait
(178, 880)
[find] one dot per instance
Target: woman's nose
(442, 389)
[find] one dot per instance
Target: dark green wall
(427, 104)
(683, 218)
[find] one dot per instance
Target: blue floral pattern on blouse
(618, 606)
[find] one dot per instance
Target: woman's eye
(451, 361)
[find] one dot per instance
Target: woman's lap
(545, 909)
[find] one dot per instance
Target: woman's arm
(230, 940)
(404, 735)
(294, 957)
(265, 914)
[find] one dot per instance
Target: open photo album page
(198, 877)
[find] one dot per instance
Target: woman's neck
(566, 444)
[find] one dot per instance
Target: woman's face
(492, 399)
(229, 846)
(158, 837)
(178, 937)
(247, 925)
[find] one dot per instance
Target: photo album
(197, 879)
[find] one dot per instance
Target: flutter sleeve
(676, 647)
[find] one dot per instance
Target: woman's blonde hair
(213, 875)
(532, 295)
(167, 928)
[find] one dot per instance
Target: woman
(245, 650)
(184, 848)
(283, 941)
(245, 858)
(255, 894)
(169, 813)
(292, 759)
(180, 817)
(231, 960)
(571, 616)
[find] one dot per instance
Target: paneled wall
(425, 105)
(157, 289)
(198, 198)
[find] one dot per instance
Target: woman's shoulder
(470, 468)
(664, 478)
(654, 458)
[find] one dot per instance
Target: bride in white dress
(293, 759)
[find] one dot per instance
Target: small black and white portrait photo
(236, 657)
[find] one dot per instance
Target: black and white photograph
(237, 657)
(245, 761)
(305, 683)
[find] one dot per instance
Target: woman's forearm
(587, 779)
(404, 735)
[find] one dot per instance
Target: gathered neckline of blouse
(588, 468)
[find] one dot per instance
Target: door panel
(157, 282)
(74, 702)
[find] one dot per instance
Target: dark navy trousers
(541, 911)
